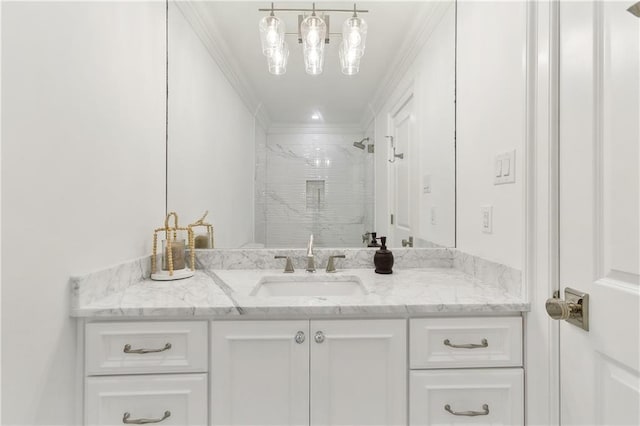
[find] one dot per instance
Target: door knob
(574, 309)
(319, 337)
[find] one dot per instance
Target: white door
(358, 372)
(260, 373)
(599, 137)
(404, 176)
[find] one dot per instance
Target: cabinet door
(492, 396)
(169, 399)
(260, 373)
(358, 372)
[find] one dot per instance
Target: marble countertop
(228, 293)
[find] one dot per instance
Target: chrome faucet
(331, 266)
(311, 264)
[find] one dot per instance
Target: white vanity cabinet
(461, 370)
(146, 372)
(466, 371)
(308, 372)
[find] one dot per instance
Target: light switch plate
(505, 168)
(486, 219)
(426, 184)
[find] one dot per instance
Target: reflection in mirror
(275, 158)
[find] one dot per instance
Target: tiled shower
(313, 183)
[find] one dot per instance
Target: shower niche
(315, 195)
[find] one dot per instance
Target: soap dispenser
(383, 259)
(374, 240)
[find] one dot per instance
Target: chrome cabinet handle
(484, 412)
(300, 337)
(483, 344)
(125, 419)
(127, 349)
(319, 337)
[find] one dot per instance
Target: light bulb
(313, 38)
(272, 36)
(354, 38)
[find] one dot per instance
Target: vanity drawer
(465, 342)
(173, 399)
(445, 397)
(146, 347)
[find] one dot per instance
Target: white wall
(491, 112)
(211, 141)
(431, 81)
(82, 178)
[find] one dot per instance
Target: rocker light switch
(505, 164)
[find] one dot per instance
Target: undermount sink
(310, 286)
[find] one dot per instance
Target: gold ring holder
(204, 241)
(172, 254)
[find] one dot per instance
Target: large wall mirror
(275, 158)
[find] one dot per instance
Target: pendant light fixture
(274, 46)
(313, 34)
(314, 31)
(354, 36)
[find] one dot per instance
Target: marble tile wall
(286, 215)
(355, 258)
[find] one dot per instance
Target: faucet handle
(331, 267)
(288, 268)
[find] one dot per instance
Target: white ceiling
(294, 97)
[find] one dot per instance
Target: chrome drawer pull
(127, 350)
(125, 419)
(484, 412)
(483, 344)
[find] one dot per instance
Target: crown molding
(214, 43)
(315, 129)
(420, 30)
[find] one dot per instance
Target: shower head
(359, 144)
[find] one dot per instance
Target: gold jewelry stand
(171, 238)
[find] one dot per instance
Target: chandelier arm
(311, 10)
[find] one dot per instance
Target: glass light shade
(349, 60)
(354, 34)
(272, 32)
(313, 61)
(313, 30)
(278, 60)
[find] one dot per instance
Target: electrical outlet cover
(486, 219)
(426, 184)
